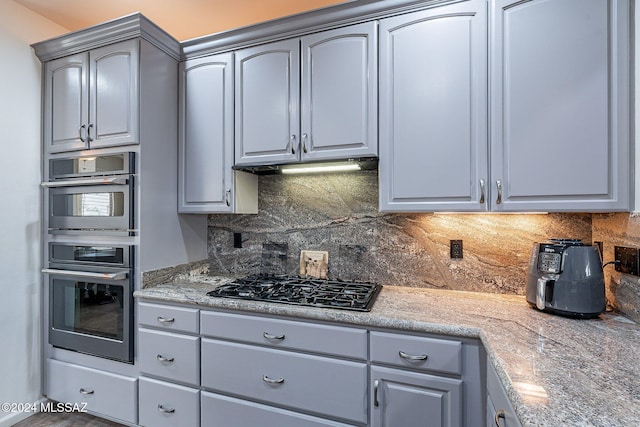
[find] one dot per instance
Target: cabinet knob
(227, 197)
(499, 414)
(86, 391)
(89, 139)
(376, 385)
(304, 142)
(272, 337)
(499, 186)
(166, 320)
(482, 191)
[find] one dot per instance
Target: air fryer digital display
(549, 259)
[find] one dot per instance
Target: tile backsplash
(339, 213)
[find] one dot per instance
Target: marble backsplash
(339, 213)
(619, 229)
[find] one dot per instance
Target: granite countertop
(556, 371)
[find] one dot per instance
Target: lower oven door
(91, 204)
(91, 311)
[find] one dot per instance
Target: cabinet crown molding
(120, 29)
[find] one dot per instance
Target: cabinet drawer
(422, 353)
(172, 356)
(218, 410)
(177, 319)
(168, 405)
(335, 340)
(104, 393)
(300, 381)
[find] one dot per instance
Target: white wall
(20, 123)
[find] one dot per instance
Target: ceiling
(183, 19)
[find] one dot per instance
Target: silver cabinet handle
(304, 142)
(269, 336)
(268, 380)
(499, 414)
(482, 191)
(89, 139)
(227, 197)
(80, 133)
(292, 143)
(162, 409)
(88, 181)
(499, 186)
(408, 356)
(166, 320)
(111, 276)
(164, 359)
(86, 392)
(376, 385)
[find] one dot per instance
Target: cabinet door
(114, 95)
(340, 93)
(560, 105)
(409, 399)
(433, 109)
(267, 97)
(206, 134)
(66, 103)
(500, 413)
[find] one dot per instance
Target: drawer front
(164, 404)
(429, 354)
(176, 319)
(326, 339)
(171, 356)
(317, 384)
(104, 393)
(218, 410)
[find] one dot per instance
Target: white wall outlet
(314, 264)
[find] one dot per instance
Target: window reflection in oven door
(91, 204)
(90, 310)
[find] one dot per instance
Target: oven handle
(121, 275)
(88, 181)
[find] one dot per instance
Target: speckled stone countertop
(556, 371)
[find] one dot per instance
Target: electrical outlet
(314, 263)
(628, 260)
(455, 249)
(237, 240)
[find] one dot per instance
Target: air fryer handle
(541, 292)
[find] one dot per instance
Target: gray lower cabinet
(104, 393)
(220, 410)
(500, 413)
(169, 363)
(403, 398)
(163, 404)
(419, 380)
(206, 181)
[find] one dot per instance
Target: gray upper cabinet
(91, 98)
(267, 98)
(320, 105)
(206, 181)
(433, 109)
(560, 105)
(339, 93)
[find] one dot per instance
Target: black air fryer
(566, 278)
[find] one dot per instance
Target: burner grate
(326, 293)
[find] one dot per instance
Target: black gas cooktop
(326, 293)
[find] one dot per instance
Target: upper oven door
(91, 204)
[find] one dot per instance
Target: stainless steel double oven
(90, 206)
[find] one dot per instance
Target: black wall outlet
(237, 240)
(628, 260)
(455, 249)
